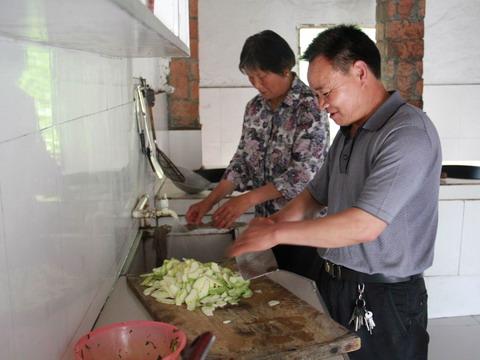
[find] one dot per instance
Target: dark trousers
(302, 260)
(399, 311)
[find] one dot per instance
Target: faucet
(143, 212)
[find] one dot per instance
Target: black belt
(340, 272)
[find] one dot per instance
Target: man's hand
(226, 215)
(257, 237)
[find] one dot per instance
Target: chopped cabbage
(204, 285)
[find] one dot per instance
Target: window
(306, 33)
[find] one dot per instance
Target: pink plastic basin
(132, 340)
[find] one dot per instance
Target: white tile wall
(451, 44)
(452, 295)
(452, 76)
(219, 51)
(185, 148)
(70, 173)
(5, 297)
(221, 114)
(452, 109)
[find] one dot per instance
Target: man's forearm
(349, 227)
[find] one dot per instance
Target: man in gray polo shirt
(380, 183)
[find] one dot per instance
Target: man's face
(338, 93)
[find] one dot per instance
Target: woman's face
(270, 85)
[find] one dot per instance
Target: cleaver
(256, 264)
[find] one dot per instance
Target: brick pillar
(184, 76)
(399, 33)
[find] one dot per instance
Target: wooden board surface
(290, 330)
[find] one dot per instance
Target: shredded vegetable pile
(204, 285)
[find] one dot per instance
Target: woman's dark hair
(266, 51)
(343, 45)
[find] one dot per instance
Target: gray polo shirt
(390, 169)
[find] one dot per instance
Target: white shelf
(124, 28)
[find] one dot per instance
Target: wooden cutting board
(290, 330)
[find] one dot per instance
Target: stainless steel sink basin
(154, 246)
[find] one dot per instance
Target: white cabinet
(175, 15)
(449, 238)
(124, 28)
(453, 282)
(470, 250)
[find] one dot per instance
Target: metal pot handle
(199, 347)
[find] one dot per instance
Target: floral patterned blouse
(284, 147)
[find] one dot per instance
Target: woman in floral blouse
(284, 142)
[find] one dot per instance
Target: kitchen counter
(452, 188)
(123, 305)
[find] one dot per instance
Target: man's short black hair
(266, 51)
(343, 45)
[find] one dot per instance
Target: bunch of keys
(361, 316)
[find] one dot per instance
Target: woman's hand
(197, 211)
(226, 215)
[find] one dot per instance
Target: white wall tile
(18, 79)
(451, 108)
(466, 110)
(66, 192)
(185, 148)
(210, 115)
(6, 310)
(219, 51)
(470, 149)
(451, 45)
(453, 295)
(163, 141)
(227, 151)
(449, 238)
(30, 204)
(210, 155)
(232, 104)
(451, 149)
(470, 265)
(443, 104)
(160, 113)
(221, 114)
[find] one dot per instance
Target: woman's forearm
(223, 188)
(262, 194)
(304, 206)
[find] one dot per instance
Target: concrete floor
(454, 338)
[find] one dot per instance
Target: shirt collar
(382, 114)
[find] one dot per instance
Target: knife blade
(255, 264)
